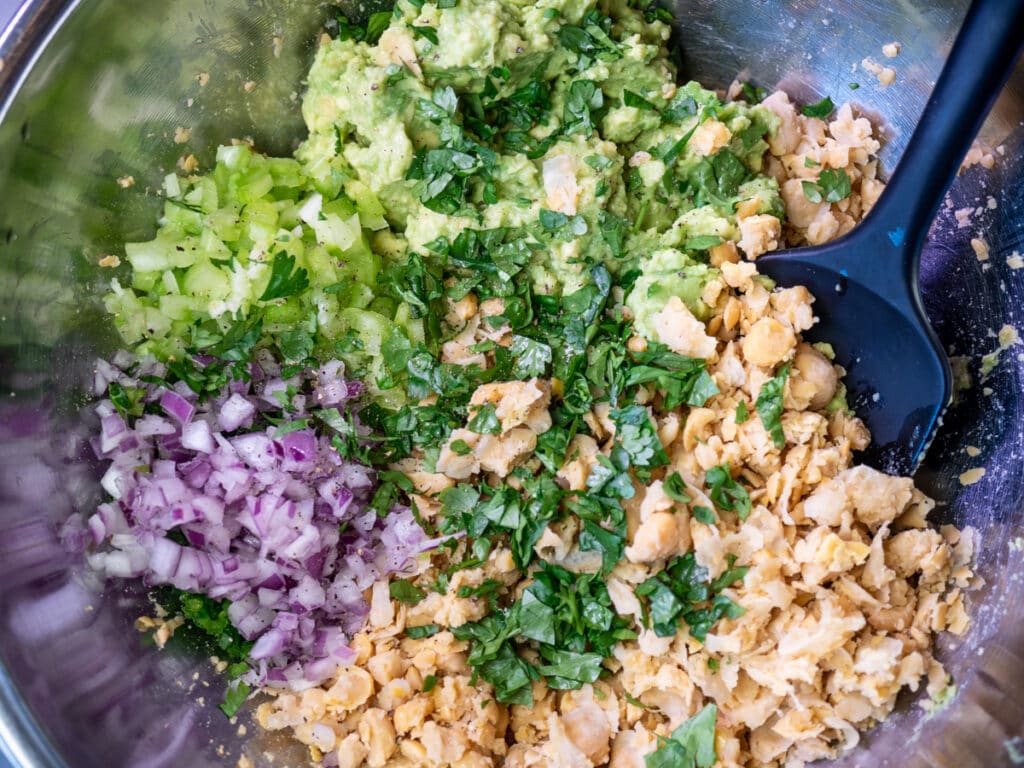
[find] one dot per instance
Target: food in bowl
(472, 436)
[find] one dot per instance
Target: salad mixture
(470, 435)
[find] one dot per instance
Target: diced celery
(361, 264)
(334, 231)
(254, 185)
(177, 308)
(384, 305)
(160, 254)
(286, 172)
(205, 280)
(371, 212)
(234, 156)
(169, 282)
(172, 185)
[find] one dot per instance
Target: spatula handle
(981, 61)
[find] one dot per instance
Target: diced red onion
(177, 406)
(259, 512)
(236, 412)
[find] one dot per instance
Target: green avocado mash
(554, 127)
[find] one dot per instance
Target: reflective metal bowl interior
(93, 90)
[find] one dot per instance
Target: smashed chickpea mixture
(844, 584)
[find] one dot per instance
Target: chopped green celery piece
(281, 315)
(361, 263)
(371, 212)
(225, 224)
(170, 282)
(160, 254)
(355, 295)
(334, 231)
(207, 196)
(254, 184)
(179, 217)
(371, 327)
(234, 156)
(286, 172)
(212, 247)
(206, 281)
(175, 307)
(413, 327)
(144, 281)
(172, 185)
(384, 305)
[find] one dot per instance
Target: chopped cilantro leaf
(753, 94)
(675, 488)
(426, 32)
(424, 630)
(680, 106)
(691, 745)
(831, 187)
(769, 405)
(822, 108)
(684, 592)
(552, 219)
(631, 99)
(404, 591)
(726, 492)
(460, 448)
(571, 619)
(283, 281)
(590, 41)
(485, 420)
(636, 434)
(742, 414)
(234, 697)
(532, 357)
(704, 515)
(376, 25)
(583, 104)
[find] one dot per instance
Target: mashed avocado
(581, 116)
(552, 124)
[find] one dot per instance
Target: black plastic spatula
(866, 283)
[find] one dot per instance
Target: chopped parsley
(404, 591)
(742, 413)
(447, 175)
(753, 94)
(567, 617)
(284, 281)
(769, 405)
(832, 186)
(684, 592)
(822, 108)
(727, 493)
(631, 99)
(591, 40)
(691, 745)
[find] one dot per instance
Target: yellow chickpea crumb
(188, 163)
(971, 476)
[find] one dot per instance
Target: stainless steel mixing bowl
(92, 91)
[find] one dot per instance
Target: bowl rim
(23, 741)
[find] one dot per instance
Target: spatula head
(898, 378)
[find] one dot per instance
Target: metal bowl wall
(93, 91)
